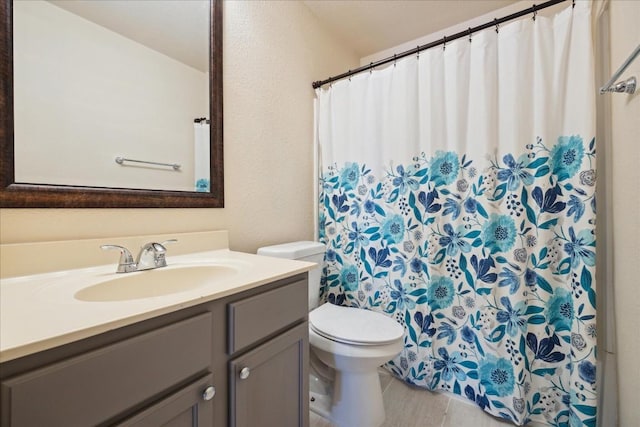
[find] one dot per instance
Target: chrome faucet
(152, 255)
(126, 263)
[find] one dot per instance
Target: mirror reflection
(97, 81)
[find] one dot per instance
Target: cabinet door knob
(244, 373)
(209, 392)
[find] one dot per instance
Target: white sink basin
(154, 283)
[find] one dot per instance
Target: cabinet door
(192, 406)
(270, 384)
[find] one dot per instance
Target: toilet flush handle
(244, 373)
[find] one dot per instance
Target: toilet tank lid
(293, 250)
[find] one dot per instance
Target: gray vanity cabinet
(184, 368)
(268, 385)
(268, 378)
(97, 387)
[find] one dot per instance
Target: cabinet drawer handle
(209, 392)
(244, 373)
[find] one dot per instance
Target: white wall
(273, 50)
(625, 175)
(85, 95)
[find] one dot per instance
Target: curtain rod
(534, 9)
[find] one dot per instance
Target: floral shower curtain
(457, 196)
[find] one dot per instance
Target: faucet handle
(126, 263)
(152, 255)
(162, 262)
(169, 241)
(159, 251)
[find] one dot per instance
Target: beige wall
(273, 50)
(625, 175)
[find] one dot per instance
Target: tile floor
(408, 406)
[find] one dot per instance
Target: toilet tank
(302, 251)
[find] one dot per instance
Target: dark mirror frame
(14, 195)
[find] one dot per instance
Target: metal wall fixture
(624, 86)
(121, 160)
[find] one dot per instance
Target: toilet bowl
(354, 343)
(347, 346)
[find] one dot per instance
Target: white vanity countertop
(39, 312)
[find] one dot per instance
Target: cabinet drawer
(254, 318)
(92, 388)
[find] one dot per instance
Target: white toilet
(347, 347)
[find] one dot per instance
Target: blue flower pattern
(496, 375)
(490, 268)
(202, 186)
(499, 233)
(440, 293)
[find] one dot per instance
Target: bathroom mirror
(119, 121)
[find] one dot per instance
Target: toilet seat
(354, 326)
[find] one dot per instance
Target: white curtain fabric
(528, 80)
(457, 196)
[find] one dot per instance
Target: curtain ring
(349, 72)
(573, 4)
(469, 34)
(394, 59)
(535, 12)
(371, 68)
(418, 52)
(497, 25)
(444, 43)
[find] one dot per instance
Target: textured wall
(273, 50)
(625, 174)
